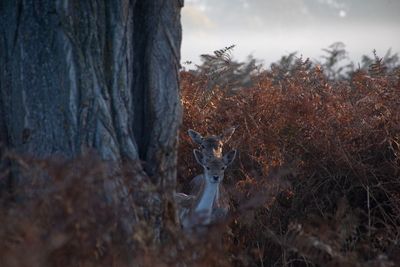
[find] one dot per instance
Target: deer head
(211, 146)
(214, 168)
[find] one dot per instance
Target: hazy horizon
(269, 29)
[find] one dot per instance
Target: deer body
(207, 198)
(198, 183)
(206, 203)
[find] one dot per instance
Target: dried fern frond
(378, 67)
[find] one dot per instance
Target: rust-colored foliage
(317, 176)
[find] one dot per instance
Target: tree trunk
(93, 74)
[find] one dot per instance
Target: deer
(206, 206)
(211, 147)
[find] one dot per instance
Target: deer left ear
(198, 156)
(229, 157)
(196, 137)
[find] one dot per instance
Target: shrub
(317, 176)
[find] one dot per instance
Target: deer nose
(215, 178)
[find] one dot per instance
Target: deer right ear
(198, 156)
(196, 137)
(229, 157)
(227, 134)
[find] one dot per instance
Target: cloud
(333, 4)
(195, 18)
(342, 13)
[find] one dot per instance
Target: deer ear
(227, 134)
(198, 156)
(229, 157)
(196, 137)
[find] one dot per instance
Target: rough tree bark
(93, 74)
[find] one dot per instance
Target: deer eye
(208, 168)
(223, 168)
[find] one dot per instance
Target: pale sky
(268, 29)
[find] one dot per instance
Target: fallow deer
(211, 147)
(206, 206)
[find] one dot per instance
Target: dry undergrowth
(317, 179)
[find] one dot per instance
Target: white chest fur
(206, 202)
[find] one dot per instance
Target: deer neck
(207, 196)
